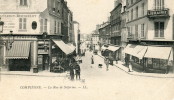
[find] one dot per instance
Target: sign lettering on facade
(161, 12)
(11, 21)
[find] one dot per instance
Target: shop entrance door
(43, 62)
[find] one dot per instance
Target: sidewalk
(121, 66)
(39, 74)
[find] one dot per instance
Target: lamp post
(78, 37)
(44, 36)
(10, 40)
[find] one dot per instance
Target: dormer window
(23, 3)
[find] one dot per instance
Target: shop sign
(42, 51)
(153, 13)
(11, 20)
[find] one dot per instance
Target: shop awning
(113, 48)
(71, 46)
(19, 50)
(129, 49)
(103, 47)
(158, 52)
(64, 47)
(136, 50)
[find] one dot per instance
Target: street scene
(86, 50)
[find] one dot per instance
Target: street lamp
(44, 36)
(10, 40)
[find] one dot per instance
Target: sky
(89, 13)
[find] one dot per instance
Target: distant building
(95, 38)
(104, 33)
(115, 22)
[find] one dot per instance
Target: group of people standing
(74, 70)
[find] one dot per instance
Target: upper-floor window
(132, 1)
(159, 4)
(132, 14)
(43, 25)
(23, 2)
(159, 29)
(142, 30)
(136, 31)
(142, 10)
(128, 16)
(55, 27)
(58, 27)
(22, 23)
(137, 12)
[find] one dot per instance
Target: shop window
(149, 63)
(135, 59)
(159, 64)
(34, 25)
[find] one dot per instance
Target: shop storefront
(61, 53)
(18, 57)
(114, 52)
(149, 58)
(159, 59)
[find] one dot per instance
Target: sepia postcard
(86, 50)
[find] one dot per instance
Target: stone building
(32, 34)
(150, 34)
(115, 23)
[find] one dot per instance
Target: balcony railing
(158, 13)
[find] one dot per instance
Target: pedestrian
(71, 71)
(130, 65)
(77, 71)
(107, 64)
(92, 61)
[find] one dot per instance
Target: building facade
(95, 40)
(104, 33)
(150, 27)
(115, 22)
(124, 32)
(37, 36)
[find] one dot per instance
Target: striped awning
(64, 47)
(19, 50)
(113, 48)
(158, 52)
(135, 50)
